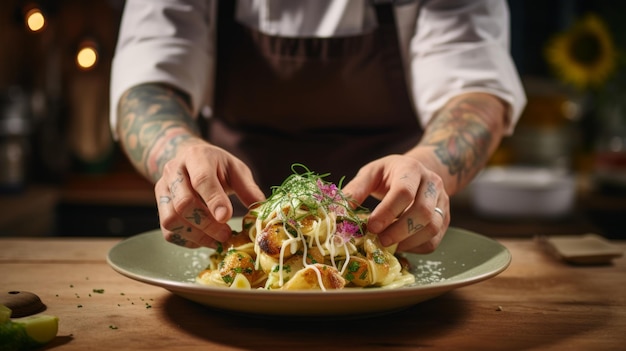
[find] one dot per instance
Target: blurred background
(563, 172)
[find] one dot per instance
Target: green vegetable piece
(26, 333)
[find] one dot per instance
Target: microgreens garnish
(308, 191)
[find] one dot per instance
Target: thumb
(359, 188)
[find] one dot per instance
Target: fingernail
(220, 214)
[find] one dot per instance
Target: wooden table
(539, 302)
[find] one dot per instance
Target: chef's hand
(414, 208)
(192, 193)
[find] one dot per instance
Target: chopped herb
(112, 327)
(353, 266)
(308, 255)
(98, 291)
(363, 275)
(79, 306)
(286, 268)
(379, 257)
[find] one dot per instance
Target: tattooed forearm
(153, 117)
(462, 136)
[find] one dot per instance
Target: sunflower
(584, 55)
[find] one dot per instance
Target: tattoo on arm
(461, 137)
(152, 116)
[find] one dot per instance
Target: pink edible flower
(347, 230)
(329, 190)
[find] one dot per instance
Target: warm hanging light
(87, 55)
(35, 20)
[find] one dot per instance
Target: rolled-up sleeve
(167, 42)
(463, 46)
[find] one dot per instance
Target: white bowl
(523, 192)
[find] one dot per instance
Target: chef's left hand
(414, 209)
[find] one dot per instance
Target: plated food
(305, 236)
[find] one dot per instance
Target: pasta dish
(305, 236)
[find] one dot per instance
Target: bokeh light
(87, 56)
(35, 20)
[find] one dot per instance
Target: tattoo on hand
(412, 227)
(174, 186)
(177, 239)
(198, 215)
(165, 199)
(431, 190)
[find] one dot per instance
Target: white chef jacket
(454, 47)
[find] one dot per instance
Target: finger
(180, 232)
(188, 208)
(428, 239)
(359, 188)
(212, 194)
(175, 229)
(398, 199)
(188, 236)
(416, 223)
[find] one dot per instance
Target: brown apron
(332, 104)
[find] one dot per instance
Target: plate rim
(191, 287)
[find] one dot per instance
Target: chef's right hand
(192, 193)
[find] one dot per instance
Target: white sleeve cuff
(486, 68)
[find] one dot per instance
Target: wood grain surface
(538, 303)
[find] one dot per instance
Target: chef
(215, 100)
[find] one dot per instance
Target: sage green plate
(462, 258)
